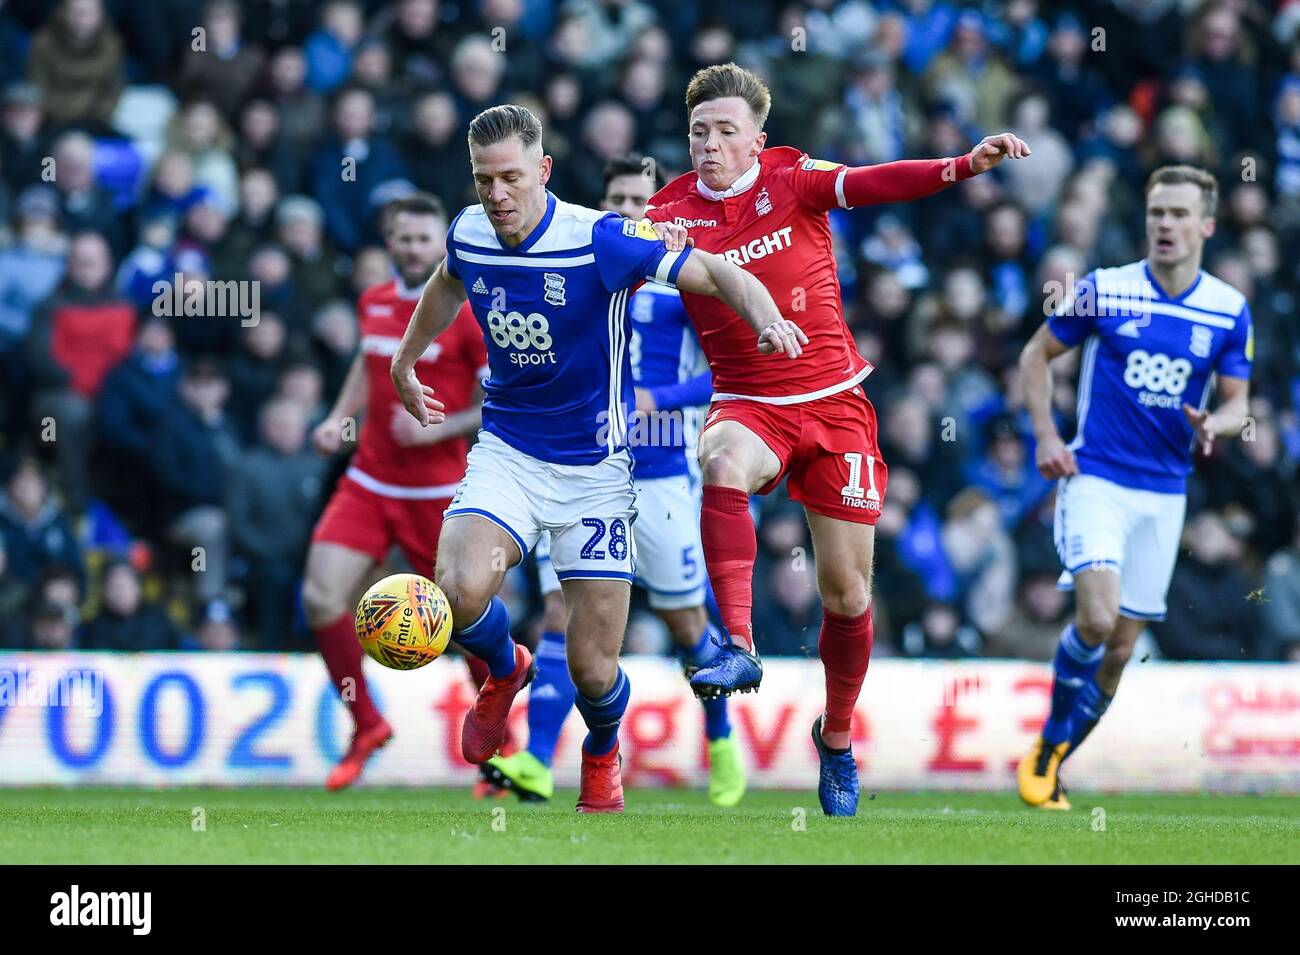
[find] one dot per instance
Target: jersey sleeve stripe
(839, 188)
(530, 262)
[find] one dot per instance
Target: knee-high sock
(478, 671)
(1089, 708)
(717, 724)
(488, 638)
(845, 648)
(730, 546)
(549, 698)
(341, 649)
(603, 715)
(1073, 668)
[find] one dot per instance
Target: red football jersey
(773, 223)
(452, 365)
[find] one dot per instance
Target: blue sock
(488, 638)
(716, 723)
(602, 716)
(1089, 708)
(550, 698)
(1073, 669)
(706, 648)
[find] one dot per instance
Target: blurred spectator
(1034, 630)
(194, 447)
(787, 609)
(350, 166)
(30, 270)
(1006, 472)
(13, 601)
(1076, 92)
(1211, 615)
(77, 336)
(200, 132)
(37, 533)
(1280, 597)
(302, 113)
(23, 145)
(299, 223)
(52, 628)
(598, 32)
(435, 151)
(85, 205)
(329, 49)
(126, 622)
(971, 77)
(76, 60)
(226, 68)
(273, 495)
(984, 559)
(218, 630)
(133, 401)
(940, 633)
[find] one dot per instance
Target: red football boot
(484, 729)
(602, 782)
(364, 744)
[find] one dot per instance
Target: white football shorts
(1100, 524)
(588, 510)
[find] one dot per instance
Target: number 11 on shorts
(854, 489)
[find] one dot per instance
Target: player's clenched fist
(672, 235)
(991, 150)
(327, 437)
(418, 399)
(1054, 459)
(783, 336)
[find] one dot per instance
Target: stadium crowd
(157, 490)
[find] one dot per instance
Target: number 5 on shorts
(854, 488)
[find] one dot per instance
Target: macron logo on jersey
(760, 248)
(695, 223)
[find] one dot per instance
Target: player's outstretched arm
(827, 185)
(1224, 421)
(439, 302)
(327, 437)
(712, 275)
(1053, 458)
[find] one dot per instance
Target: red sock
(478, 670)
(730, 547)
(341, 649)
(845, 649)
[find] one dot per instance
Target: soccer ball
(404, 621)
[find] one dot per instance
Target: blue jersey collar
(1146, 267)
(539, 230)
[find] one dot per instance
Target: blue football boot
(837, 789)
(732, 670)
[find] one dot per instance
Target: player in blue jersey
(1156, 335)
(548, 283)
(672, 381)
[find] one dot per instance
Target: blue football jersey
(1145, 355)
(667, 360)
(554, 315)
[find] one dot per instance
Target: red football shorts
(371, 523)
(827, 447)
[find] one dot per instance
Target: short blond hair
(1189, 175)
(727, 79)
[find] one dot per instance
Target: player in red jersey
(402, 475)
(807, 420)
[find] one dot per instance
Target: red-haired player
(403, 475)
(771, 418)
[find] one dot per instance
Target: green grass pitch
(74, 826)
